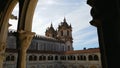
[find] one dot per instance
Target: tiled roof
(39, 37)
(94, 50)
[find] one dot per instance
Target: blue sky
(77, 13)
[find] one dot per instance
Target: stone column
(3, 38)
(2, 53)
(5, 13)
(108, 13)
(24, 38)
(97, 23)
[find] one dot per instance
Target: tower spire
(64, 19)
(51, 25)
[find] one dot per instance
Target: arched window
(50, 57)
(12, 58)
(81, 57)
(96, 57)
(40, 57)
(67, 33)
(68, 57)
(56, 57)
(84, 57)
(30, 58)
(78, 57)
(90, 57)
(71, 57)
(62, 57)
(35, 58)
(8, 58)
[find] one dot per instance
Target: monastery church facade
(54, 50)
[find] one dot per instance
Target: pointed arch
(96, 57)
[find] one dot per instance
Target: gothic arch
(5, 13)
(32, 58)
(50, 57)
(26, 11)
(56, 57)
(90, 57)
(68, 33)
(10, 57)
(96, 57)
(42, 57)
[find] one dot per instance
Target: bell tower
(65, 34)
(50, 32)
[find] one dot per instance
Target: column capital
(25, 38)
(95, 13)
(2, 50)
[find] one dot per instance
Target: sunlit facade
(54, 50)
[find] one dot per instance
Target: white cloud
(78, 16)
(16, 10)
(82, 36)
(86, 37)
(47, 2)
(76, 13)
(14, 24)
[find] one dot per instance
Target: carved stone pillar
(2, 53)
(24, 40)
(24, 36)
(7, 7)
(3, 38)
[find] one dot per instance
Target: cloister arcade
(106, 17)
